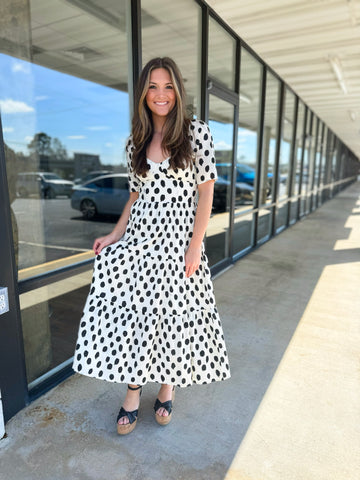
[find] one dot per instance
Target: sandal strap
(132, 416)
(166, 405)
(134, 388)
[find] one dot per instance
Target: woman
(151, 315)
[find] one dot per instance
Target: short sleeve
(134, 183)
(203, 147)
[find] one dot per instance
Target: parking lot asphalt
(290, 312)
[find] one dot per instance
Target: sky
(86, 117)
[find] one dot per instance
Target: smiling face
(160, 97)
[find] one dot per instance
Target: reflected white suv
(44, 184)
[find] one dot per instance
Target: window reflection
(297, 162)
(323, 164)
(221, 116)
(327, 165)
(221, 55)
(268, 155)
(309, 178)
(247, 147)
(65, 115)
(319, 146)
(334, 165)
(80, 138)
(308, 160)
(284, 180)
(104, 195)
(269, 139)
(174, 29)
(50, 319)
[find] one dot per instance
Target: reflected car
(44, 184)
(244, 174)
(105, 195)
(91, 175)
(244, 194)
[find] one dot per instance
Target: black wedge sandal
(167, 406)
(132, 416)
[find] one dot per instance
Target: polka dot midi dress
(143, 320)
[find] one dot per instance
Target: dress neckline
(157, 163)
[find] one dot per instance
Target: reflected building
(84, 163)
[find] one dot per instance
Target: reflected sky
(86, 117)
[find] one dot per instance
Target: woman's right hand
(119, 229)
(102, 242)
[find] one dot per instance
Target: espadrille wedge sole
(161, 420)
(127, 428)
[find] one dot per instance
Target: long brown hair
(176, 139)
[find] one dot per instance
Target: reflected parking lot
(51, 229)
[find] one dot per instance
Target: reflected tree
(50, 154)
(44, 145)
(40, 144)
(58, 149)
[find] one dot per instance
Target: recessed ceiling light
(338, 71)
(245, 98)
(353, 115)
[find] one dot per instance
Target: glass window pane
(285, 159)
(50, 321)
(268, 154)
(323, 165)
(247, 148)
(327, 165)
(66, 119)
(174, 29)
(269, 138)
(297, 161)
(334, 160)
(222, 47)
(308, 151)
(308, 176)
(317, 163)
(221, 123)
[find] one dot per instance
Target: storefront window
(222, 48)
(173, 29)
(247, 148)
(307, 169)
(267, 179)
(284, 180)
(334, 165)
(221, 123)
(309, 179)
(65, 118)
(322, 182)
(317, 164)
(327, 165)
(297, 162)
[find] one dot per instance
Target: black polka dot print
(143, 320)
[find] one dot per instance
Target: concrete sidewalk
(291, 316)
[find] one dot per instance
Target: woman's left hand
(192, 260)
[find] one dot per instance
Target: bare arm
(119, 228)
(203, 211)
